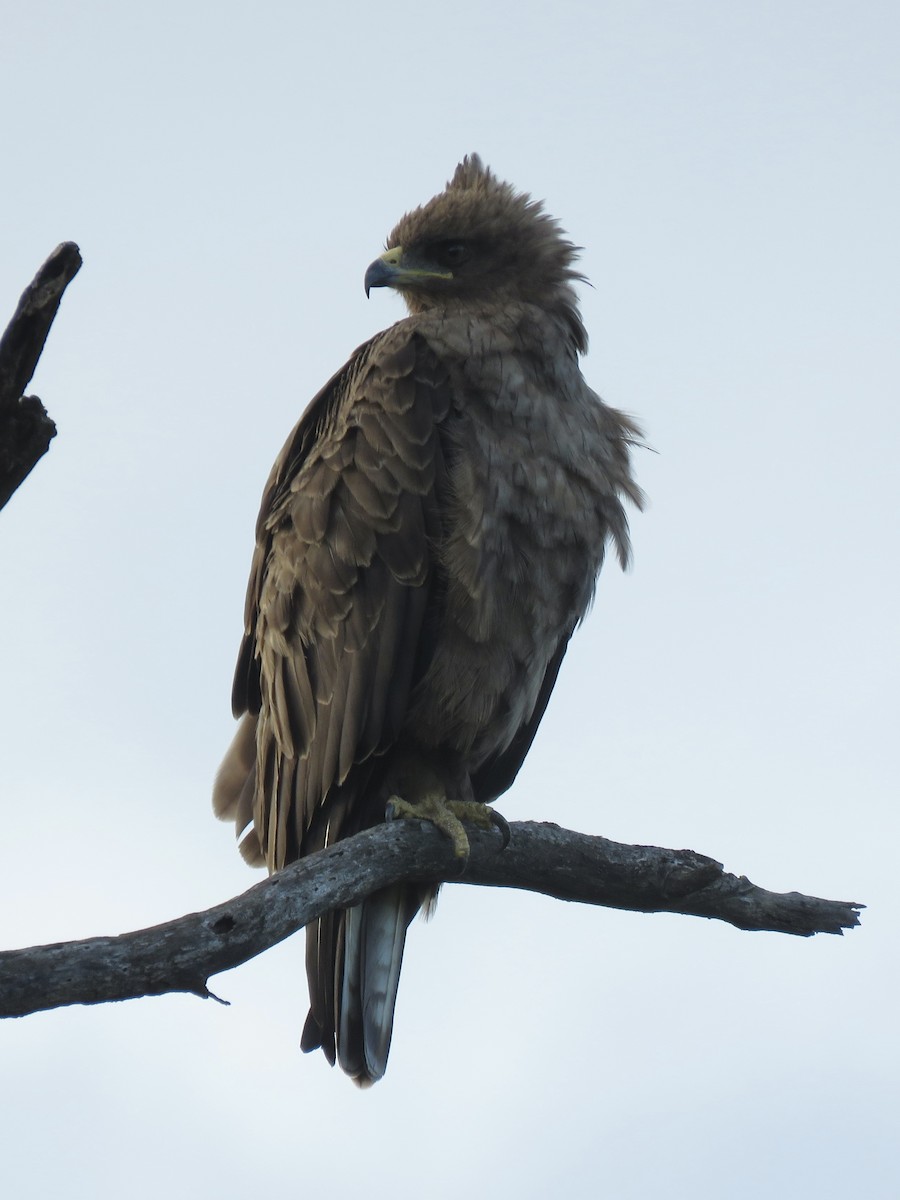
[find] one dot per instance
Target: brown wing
(496, 775)
(335, 632)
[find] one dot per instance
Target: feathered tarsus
(429, 538)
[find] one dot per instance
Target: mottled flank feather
(429, 539)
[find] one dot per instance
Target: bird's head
(479, 241)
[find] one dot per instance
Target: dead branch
(181, 955)
(25, 427)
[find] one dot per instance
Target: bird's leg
(481, 815)
(448, 816)
(432, 779)
(441, 812)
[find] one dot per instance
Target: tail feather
(374, 938)
(385, 938)
(353, 958)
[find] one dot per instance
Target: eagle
(429, 539)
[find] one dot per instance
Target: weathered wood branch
(181, 955)
(25, 428)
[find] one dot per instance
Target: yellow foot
(448, 816)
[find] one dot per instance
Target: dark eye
(450, 253)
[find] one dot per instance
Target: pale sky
(229, 171)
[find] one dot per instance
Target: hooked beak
(393, 269)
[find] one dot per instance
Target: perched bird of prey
(429, 538)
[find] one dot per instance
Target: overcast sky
(229, 171)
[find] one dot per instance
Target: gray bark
(181, 955)
(25, 428)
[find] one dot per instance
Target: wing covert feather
(335, 634)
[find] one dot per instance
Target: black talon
(501, 823)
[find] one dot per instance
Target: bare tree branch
(25, 428)
(181, 955)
